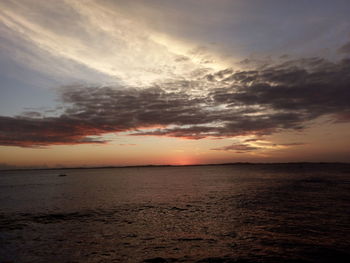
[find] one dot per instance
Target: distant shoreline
(174, 165)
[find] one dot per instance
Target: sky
(111, 82)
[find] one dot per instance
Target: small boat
(61, 175)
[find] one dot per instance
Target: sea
(219, 213)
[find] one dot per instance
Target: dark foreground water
(238, 213)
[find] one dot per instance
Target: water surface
(229, 213)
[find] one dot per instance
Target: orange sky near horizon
(144, 150)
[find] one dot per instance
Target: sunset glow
(104, 83)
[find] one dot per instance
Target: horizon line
(166, 165)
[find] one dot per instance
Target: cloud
(345, 48)
(251, 145)
(299, 90)
(120, 47)
(226, 104)
(35, 132)
(292, 144)
(238, 148)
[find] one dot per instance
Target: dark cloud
(345, 48)
(296, 90)
(251, 140)
(33, 132)
(225, 104)
(238, 148)
(293, 144)
(259, 145)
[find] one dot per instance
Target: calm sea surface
(232, 213)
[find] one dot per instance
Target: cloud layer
(224, 104)
(93, 42)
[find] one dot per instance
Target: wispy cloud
(91, 38)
